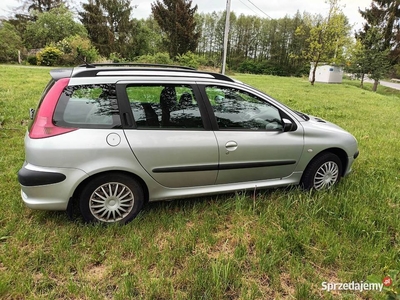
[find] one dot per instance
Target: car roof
(135, 69)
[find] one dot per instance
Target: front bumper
(351, 160)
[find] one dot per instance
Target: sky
(263, 8)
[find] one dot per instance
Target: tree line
(52, 32)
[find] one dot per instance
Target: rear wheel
(111, 198)
(323, 172)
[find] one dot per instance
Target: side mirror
(287, 125)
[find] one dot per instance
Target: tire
(323, 172)
(111, 198)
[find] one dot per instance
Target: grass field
(276, 244)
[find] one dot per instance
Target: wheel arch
(342, 156)
(340, 153)
(81, 185)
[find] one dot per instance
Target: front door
(251, 141)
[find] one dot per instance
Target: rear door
(169, 132)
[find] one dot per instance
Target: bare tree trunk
(313, 74)
(375, 87)
(315, 69)
(362, 80)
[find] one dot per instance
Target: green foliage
(49, 56)
(370, 54)
(10, 43)
(250, 66)
(32, 60)
(42, 5)
(385, 15)
(190, 59)
(327, 38)
(269, 68)
(158, 58)
(77, 49)
(116, 58)
(52, 27)
(176, 20)
(110, 27)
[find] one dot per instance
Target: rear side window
(164, 107)
(88, 106)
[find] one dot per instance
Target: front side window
(238, 110)
(88, 106)
(164, 107)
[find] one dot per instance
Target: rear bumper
(48, 188)
(28, 177)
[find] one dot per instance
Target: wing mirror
(287, 125)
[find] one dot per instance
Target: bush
(158, 58)
(49, 56)
(77, 49)
(32, 60)
(116, 58)
(190, 59)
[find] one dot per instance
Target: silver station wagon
(112, 137)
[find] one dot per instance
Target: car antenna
(85, 62)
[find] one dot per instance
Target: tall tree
(367, 57)
(95, 22)
(110, 26)
(385, 14)
(41, 5)
(10, 43)
(29, 9)
(328, 36)
(176, 20)
(52, 27)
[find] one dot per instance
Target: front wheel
(323, 172)
(111, 198)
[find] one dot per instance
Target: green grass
(258, 245)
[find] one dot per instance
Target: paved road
(392, 85)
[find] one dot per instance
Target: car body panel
(176, 158)
(258, 155)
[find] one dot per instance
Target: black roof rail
(134, 65)
(92, 71)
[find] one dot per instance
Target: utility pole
(226, 34)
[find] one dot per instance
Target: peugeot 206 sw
(113, 137)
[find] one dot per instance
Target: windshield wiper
(304, 116)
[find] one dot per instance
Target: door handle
(231, 146)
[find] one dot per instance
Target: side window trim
(128, 121)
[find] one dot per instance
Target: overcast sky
(262, 8)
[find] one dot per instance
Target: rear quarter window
(88, 106)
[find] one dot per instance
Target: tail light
(43, 126)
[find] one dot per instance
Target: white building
(327, 73)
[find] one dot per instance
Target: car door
(252, 143)
(170, 134)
